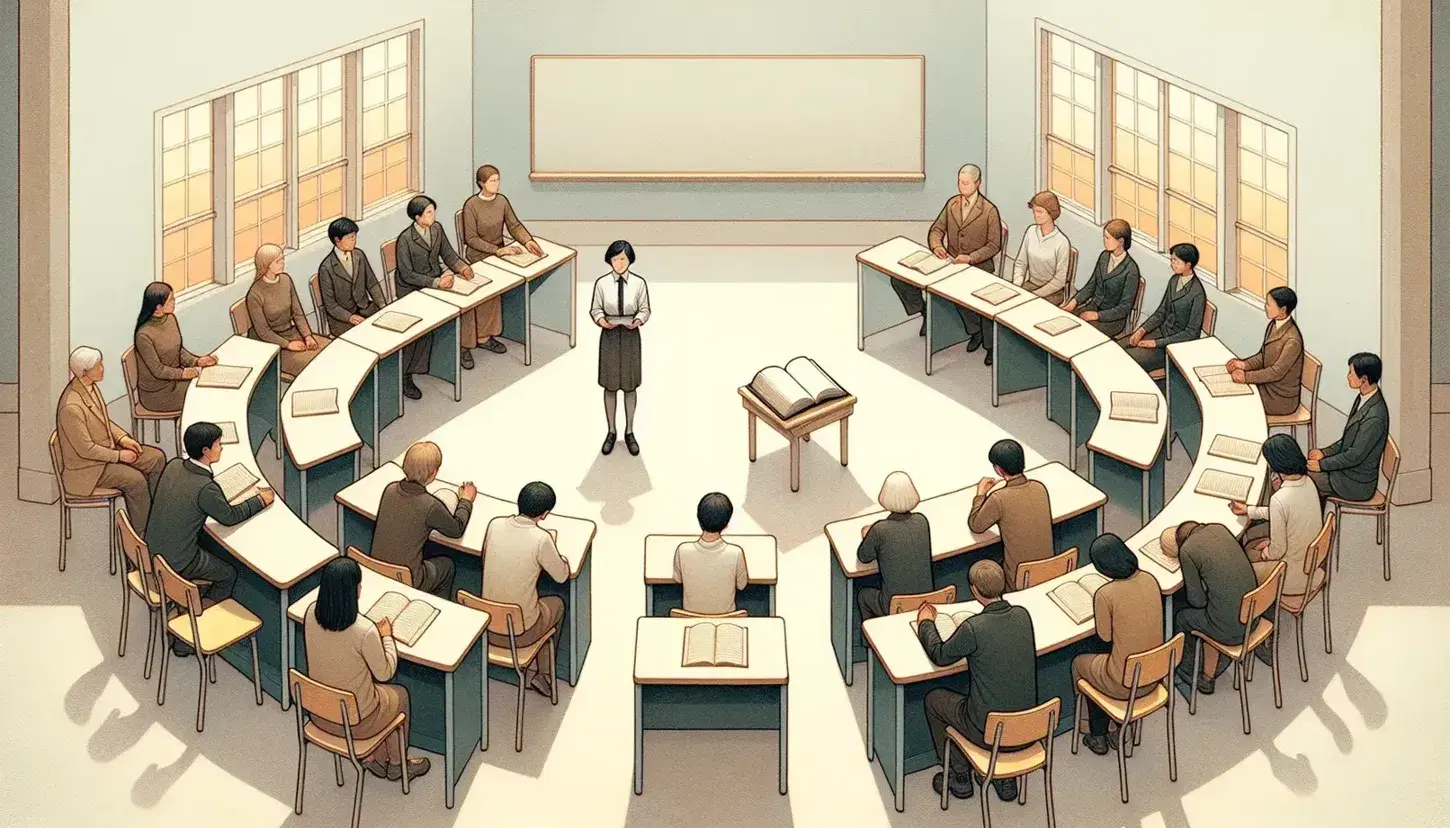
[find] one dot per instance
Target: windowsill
(197, 293)
(388, 204)
(1078, 211)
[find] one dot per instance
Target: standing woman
(1042, 260)
(620, 307)
(1106, 300)
(276, 313)
(163, 365)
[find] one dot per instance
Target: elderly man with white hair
(900, 546)
(96, 453)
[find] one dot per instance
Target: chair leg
(64, 534)
(1137, 732)
(357, 797)
(211, 669)
(1386, 550)
(1172, 748)
(1274, 663)
(1076, 721)
(201, 691)
(111, 535)
(1197, 665)
(1299, 639)
(1243, 697)
(1123, 761)
(986, 806)
(151, 635)
(519, 717)
(1051, 813)
(554, 679)
(256, 673)
(1022, 790)
(403, 752)
(1328, 635)
(301, 778)
(1339, 527)
(946, 775)
(165, 645)
(68, 523)
(337, 769)
(125, 617)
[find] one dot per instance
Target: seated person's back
(408, 513)
(711, 570)
(1020, 509)
(899, 545)
(516, 550)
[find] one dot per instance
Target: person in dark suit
(1001, 648)
(350, 291)
(1349, 468)
(408, 513)
(1216, 577)
(1278, 368)
(899, 545)
(426, 259)
(1179, 317)
(1107, 299)
(186, 496)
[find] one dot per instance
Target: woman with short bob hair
(1041, 265)
(899, 545)
(620, 307)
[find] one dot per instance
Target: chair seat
(286, 377)
(101, 496)
(1236, 651)
(1117, 709)
(338, 744)
(1292, 604)
(1300, 417)
(1157, 374)
(1010, 763)
(504, 658)
(1376, 503)
(133, 580)
(221, 626)
(141, 412)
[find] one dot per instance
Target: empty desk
(322, 449)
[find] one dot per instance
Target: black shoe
(494, 346)
(974, 342)
(1006, 789)
(961, 786)
(1096, 744)
(180, 650)
(922, 330)
(410, 389)
(988, 360)
(465, 359)
(608, 443)
(1265, 652)
(631, 443)
(1205, 685)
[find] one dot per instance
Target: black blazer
(185, 497)
(344, 295)
(1001, 648)
(1179, 317)
(1353, 461)
(1111, 294)
(900, 545)
(421, 263)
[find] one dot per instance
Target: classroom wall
(117, 88)
(950, 35)
(1319, 75)
(9, 194)
(1440, 196)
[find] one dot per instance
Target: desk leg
(285, 697)
(845, 439)
(573, 299)
(996, 366)
(529, 325)
(302, 504)
(848, 666)
(1072, 426)
(576, 645)
(795, 464)
(638, 741)
(448, 778)
(769, 592)
(926, 345)
(649, 601)
(341, 546)
(1147, 474)
(458, 360)
(870, 710)
(860, 310)
(1167, 617)
(898, 769)
(750, 430)
(784, 737)
(483, 697)
(377, 430)
(1168, 404)
(276, 409)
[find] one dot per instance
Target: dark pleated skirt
(619, 359)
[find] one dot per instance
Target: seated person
(408, 513)
(1179, 317)
(709, 569)
(1349, 468)
(95, 453)
(1107, 299)
(186, 496)
(1000, 645)
(350, 291)
(1042, 260)
(1278, 368)
(427, 259)
(899, 545)
(515, 551)
(1019, 508)
(1128, 617)
(276, 314)
(347, 651)
(486, 215)
(163, 365)
(1216, 577)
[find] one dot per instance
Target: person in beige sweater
(347, 651)
(1018, 507)
(486, 216)
(516, 551)
(163, 365)
(276, 313)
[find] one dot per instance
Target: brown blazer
(1278, 368)
(1128, 613)
(978, 236)
(88, 439)
(1022, 512)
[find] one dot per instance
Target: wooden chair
(338, 707)
(1309, 381)
(101, 498)
(1377, 506)
(140, 414)
(389, 255)
(681, 612)
(458, 232)
(1318, 572)
(1021, 745)
(138, 577)
(396, 572)
(1036, 572)
(208, 631)
(1137, 312)
(241, 320)
(314, 287)
(1152, 667)
(508, 619)
(1257, 629)
(913, 602)
(1067, 287)
(1002, 252)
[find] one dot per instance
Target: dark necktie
(620, 282)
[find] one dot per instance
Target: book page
(994, 294)
(1133, 408)
(223, 376)
(1220, 383)
(945, 625)
(395, 321)
(521, 259)
(229, 433)
(236, 482)
(731, 648)
(1091, 583)
(913, 259)
(410, 624)
(1073, 600)
(465, 287)
(1153, 551)
(814, 379)
(1235, 448)
(1058, 325)
(699, 646)
(389, 606)
(315, 402)
(1229, 486)
(779, 390)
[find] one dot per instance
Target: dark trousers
(417, 355)
(947, 708)
(437, 577)
(976, 325)
(216, 578)
(910, 295)
(872, 603)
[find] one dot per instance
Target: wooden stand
(798, 428)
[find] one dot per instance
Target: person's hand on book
(962, 259)
(385, 628)
(190, 373)
(311, 342)
(534, 248)
(354, 320)
(1238, 508)
(941, 253)
(927, 614)
(1089, 316)
(446, 281)
(511, 250)
(466, 271)
(985, 485)
(206, 361)
(467, 491)
(1235, 365)
(1237, 375)
(605, 323)
(634, 323)
(296, 345)
(267, 496)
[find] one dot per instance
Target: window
(1192, 192)
(1071, 120)
(275, 159)
(1262, 227)
(1133, 173)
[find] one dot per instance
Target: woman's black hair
(1284, 455)
(419, 204)
(337, 594)
(1112, 557)
(616, 248)
(152, 298)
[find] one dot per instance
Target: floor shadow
(80, 699)
(745, 793)
(1343, 739)
(1364, 696)
(1295, 772)
(828, 492)
(542, 722)
(154, 782)
(613, 482)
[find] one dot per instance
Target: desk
(670, 697)
(274, 552)
(798, 428)
(1026, 357)
(943, 328)
(1076, 519)
(878, 308)
(1125, 458)
(443, 672)
(499, 282)
(322, 450)
(358, 512)
(388, 345)
(663, 593)
(554, 309)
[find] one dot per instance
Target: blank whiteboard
(728, 117)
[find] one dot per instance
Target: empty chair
(1153, 667)
(1305, 415)
(681, 612)
(1257, 630)
(508, 619)
(140, 414)
(338, 707)
(1377, 506)
(101, 498)
(1021, 745)
(1319, 572)
(396, 572)
(912, 603)
(138, 576)
(1036, 572)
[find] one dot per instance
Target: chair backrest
(503, 619)
(1014, 730)
(1210, 316)
(398, 573)
(1317, 558)
(1390, 467)
(314, 286)
(912, 603)
(241, 322)
(323, 702)
(681, 612)
(128, 372)
(1138, 304)
(458, 229)
(388, 253)
(177, 589)
(1262, 598)
(57, 465)
(1067, 287)
(138, 554)
(1002, 249)
(1036, 572)
(1155, 665)
(1313, 368)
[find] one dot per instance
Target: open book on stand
(800, 385)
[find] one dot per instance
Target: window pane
(331, 107)
(1205, 149)
(374, 91)
(397, 84)
(272, 129)
(1276, 218)
(1123, 109)
(274, 166)
(198, 194)
(1147, 87)
(1123, 79)
(374, 128)
(398, 118)
(1276, 179)
(1084, 92)
(1060, 48)
(1083, 129)
(1061, 81)
(1148, 160)
(199, 155)
(1251, 206)
(1251, 168)
(307, 151)
(1180, 136)
(1179, 172)
(332, 73)
(398, 51)
(173, 165)
(272, 95)
(307, 115)
(307, 82)
(1179, 102)
(1251, 134)
(1061, 119)
(173, 203)
(1205, 114)
(1205, 185)
(1084, 61)
(173, 129)
(244, 174)
(244, 104)
(1276, 144)
(198, 121)
(374, 59)
(330, 144)
(246, 138)
(1123, 149)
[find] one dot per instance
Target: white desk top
(312, 440)
(499, 283)
(382, 342)
(659, 644)
(1108, 368)
(446, 641)
(958, 289)
(761, 556)
(554, 255)
(886, 257)
(1069, 494)
(576, 535)
(1024, 318)
(275, 543)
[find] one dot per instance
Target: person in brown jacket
(95, 453)
(1128, 616)
(163, 365)
(1018, 507)
(1278, 368)
(276, 313)
(408, 513)
(486, 215)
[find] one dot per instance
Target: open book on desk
(229, 433)
(947, 622)
(395, 321)
(995, 294)
(1153, 551)
(523, 258)
(1235, 448)
(1058, 325)
(223, 376)
(315, 402)
(1220, 382)
(1133, 407)
(410, 619)
(716, 645)
(1075, 598)
(446, 492)
(1227, 485)
(466, 287)
(924, 262)
(237, 483)
(801, 384)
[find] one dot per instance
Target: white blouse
(1041, 263)
(1295, 518)
(606, 298)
